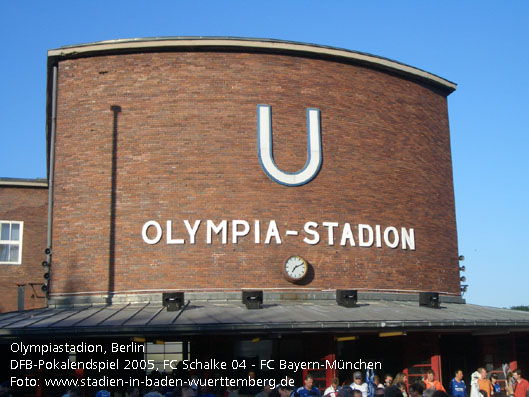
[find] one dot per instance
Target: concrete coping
(219, 43)
(322, 297)
(24, 182)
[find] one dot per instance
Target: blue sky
(483, 46)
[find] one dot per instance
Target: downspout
(51, 170)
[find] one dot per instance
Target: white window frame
(13, 242)
(169, 350)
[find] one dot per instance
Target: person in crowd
(474, 384)
(402, 388)
(204, 392)
(372, 381)
(392, 391)
(231, 392)
(308, 389)
(5, 389)
(379, 392)
(377, 381)
(440, 393)
(457, 387)
(217, 390)
(184, 391)
(274, 392)
(345, 390)
(521, 387)
(289, 382)
(401, 378)
(428, 392)
(484, 383)
(357, 393)
(332, 390)
(265, 392)
(193, 382)
(431, 382)
(388, 380)
(284, 391)
(249, 391)
(509, 382)
(76, 392)
(133, 391)
(416, 389)
(496, 389)
(177, 392)
(153, 392)
(289, 387)
(358, 384)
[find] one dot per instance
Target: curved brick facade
(184, 147)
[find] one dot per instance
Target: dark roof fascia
(45, 322)
(256, 328)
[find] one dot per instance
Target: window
(158, 353)
(11, 242)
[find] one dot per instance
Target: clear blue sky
(483, 46)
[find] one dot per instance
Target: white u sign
(265, 150)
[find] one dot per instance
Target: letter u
(265, 150)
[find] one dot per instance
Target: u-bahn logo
(265, 148)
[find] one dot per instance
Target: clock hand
(295, 267)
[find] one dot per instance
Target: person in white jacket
(474, 384)
(358, 385)
(332, 390)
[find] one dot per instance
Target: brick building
(171, 136)
(169, 174)
(23, 218)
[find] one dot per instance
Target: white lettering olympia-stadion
(331, 233)
(361, 235)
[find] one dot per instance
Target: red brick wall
(29, 205)
(187, 149)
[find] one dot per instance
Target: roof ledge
(24, 182)
(219, 43)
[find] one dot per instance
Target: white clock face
(296, 267)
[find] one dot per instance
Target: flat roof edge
(19, 182)
(267, 44)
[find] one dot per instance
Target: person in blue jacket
(495, 385)
(308, 390)
(457, 387)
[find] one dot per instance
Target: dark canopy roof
(230, 317)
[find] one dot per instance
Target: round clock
(295, 268)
